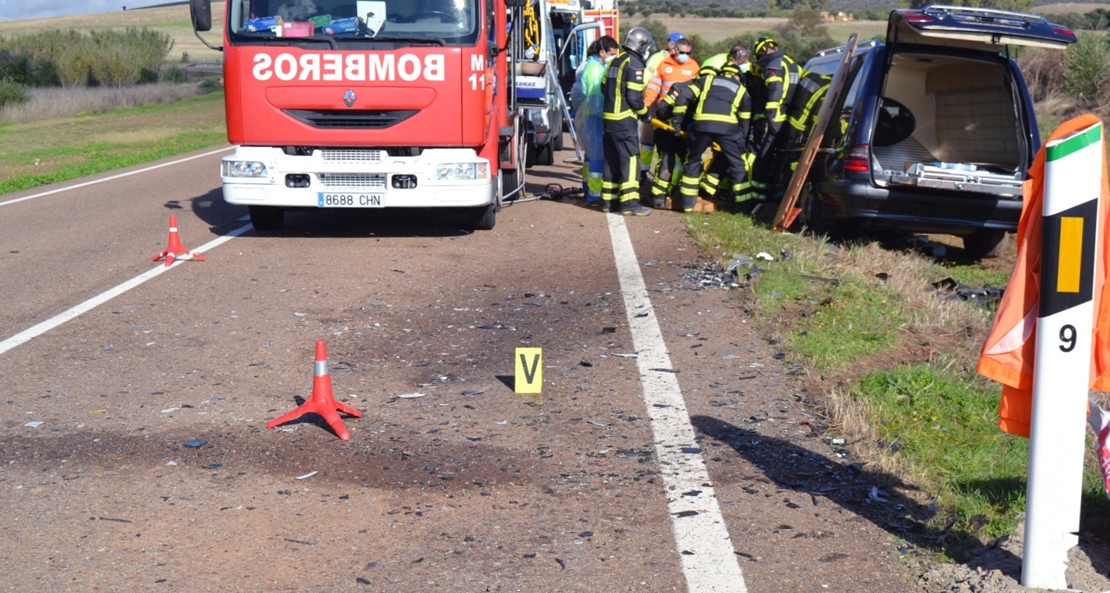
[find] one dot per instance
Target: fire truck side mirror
(201, 13)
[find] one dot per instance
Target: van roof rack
(840, 48)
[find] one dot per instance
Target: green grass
(944, 422)
(848, 321)
(831, 324)
(44, 152)
(940, 415)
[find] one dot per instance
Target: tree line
(772, 8)
(112, 58)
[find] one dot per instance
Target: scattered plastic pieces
(765, 256)
(35, 424)
(410, 395)
(632, 355)
(307, 476)
(169, 410)
(195, 443)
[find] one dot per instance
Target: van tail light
(917, 17)
(1064, 31)
(858, 159)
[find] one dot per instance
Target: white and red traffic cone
(176, 250)
(321, 401)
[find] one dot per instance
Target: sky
(15, 10)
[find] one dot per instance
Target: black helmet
(763, 46)
(639, 42)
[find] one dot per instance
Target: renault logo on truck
(349, 98)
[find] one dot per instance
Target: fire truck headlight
(243, 169)
(462, 172)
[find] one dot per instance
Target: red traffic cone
(321, 401)
(176, 249)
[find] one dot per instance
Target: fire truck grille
(353, 180)
(350, 119)
(331, 155)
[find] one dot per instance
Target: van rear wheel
(984, 243)
(812, 216)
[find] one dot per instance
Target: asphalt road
(667, 450)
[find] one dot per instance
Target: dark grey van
(936, 129)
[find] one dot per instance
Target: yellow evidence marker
(529, 370)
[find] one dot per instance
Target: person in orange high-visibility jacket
(1007, 355)
(674, 69)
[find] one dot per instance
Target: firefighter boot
(634, 208)
(689, 202)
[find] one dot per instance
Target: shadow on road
(856, 490)
(323, 223)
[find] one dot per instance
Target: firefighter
(711, 176)
(588, 103)
(722, 116)
(651, 67)
(680, 68)
(780, 75)
(802, 118)
(623, 91)
(678, 107)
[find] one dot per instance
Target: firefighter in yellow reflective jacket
(802, 118)
(623, 90)
(722, 116)
(711, 177)
(675, 116)
(780, 75)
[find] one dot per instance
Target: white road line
(114, 177)
(109, 294)
(708, 559)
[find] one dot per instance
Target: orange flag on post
(1008, 353)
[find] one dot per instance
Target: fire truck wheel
(542, 155)
(267, 218)
(483, 218)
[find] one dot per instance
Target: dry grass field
(1066, 7)
(717, 29)
(173, 20)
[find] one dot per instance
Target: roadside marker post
(529, 370)
(1071, 246)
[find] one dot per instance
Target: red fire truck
(370, 104)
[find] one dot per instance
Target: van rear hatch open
(952, 119)
(979, 29)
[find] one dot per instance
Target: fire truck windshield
(451, 22)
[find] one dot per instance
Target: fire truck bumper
(356, 178)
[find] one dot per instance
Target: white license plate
(349, 200)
